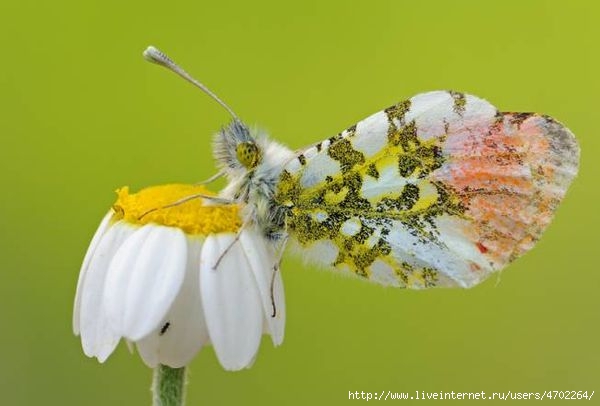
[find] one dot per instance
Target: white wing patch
(383, 274)
(431, 112)
(368, 139)
(351, 227)
(322, 167)
(387, 184)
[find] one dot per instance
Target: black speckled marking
(518, 118)
(403, 271)
(406, 200)
(405, 136)
(288, 188)
(363, 234)
(398, 111)
(430, 277)
(460, 102)
(407, 165)
(342, 151)
(362, 257)
(353, 200)
(430, 157)
(372, 171)
(302, 159)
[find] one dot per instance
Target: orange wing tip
(511, 181)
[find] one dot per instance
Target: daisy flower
(170, 280)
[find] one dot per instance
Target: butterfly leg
(276, 268)
(186, 199)
(211, 179)
(228, 248)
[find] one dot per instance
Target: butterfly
(440, 190)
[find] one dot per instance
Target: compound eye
(248, 154)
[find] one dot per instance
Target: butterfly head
(236, 150)
(248, 154)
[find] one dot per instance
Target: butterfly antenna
(153, 55)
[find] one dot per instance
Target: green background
(81, 113)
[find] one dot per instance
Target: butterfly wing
(438, 190)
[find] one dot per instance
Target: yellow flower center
(167, 205)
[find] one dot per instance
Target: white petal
(148, 348)
(85, 265)
(98, 336)
(231, 300)
(262, 259)
(144, 278)
(176, 343)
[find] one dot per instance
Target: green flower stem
(168, 386)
